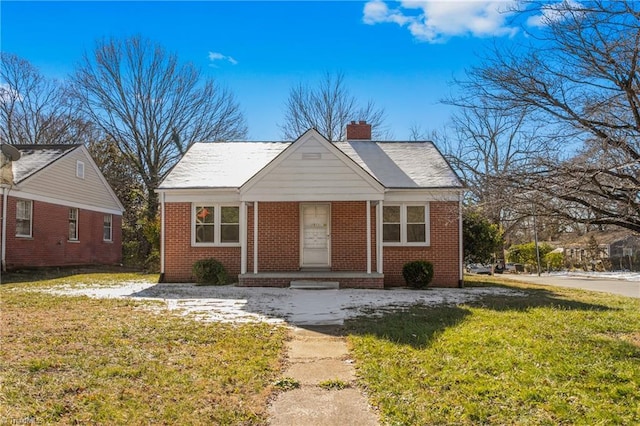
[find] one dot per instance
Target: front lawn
(554, 356)
(76, 360)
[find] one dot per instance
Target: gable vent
(311, 156)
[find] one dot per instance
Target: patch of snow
(280, 305)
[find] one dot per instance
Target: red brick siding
(180, 255)
(349, 236)
(278, 237)
(443, 252)
(49, 245)
(279, 243)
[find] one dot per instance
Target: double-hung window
(24, 222)
(405, 224)
(215, 224)
(107, 228)
(73, 224)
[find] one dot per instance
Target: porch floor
(284, 279)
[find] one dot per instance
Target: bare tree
(34, 109)
(152, 106)
(579, 76)
(485, 145)
(328, 108)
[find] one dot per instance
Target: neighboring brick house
(57, 210)
(351, 212)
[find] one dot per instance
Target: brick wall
(49, 245)
(443, 252)
(278, 237)
(349, 236)
(279, 242)
(180, 255)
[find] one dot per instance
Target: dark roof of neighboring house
(393, 164)
(34, 158)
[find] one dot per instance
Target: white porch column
(460, 241)
(368, 237)
(162, 232)
(379, 236)
(255, 237)
(243, 237)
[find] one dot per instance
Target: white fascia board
(417, 195)
(28, 196)
(311, 197)
(192, 195)
(101, 176)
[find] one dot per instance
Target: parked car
(514, 268)
(479, 268)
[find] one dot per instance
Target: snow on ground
(279, 305)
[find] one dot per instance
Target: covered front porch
(336, 243)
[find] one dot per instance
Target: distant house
(351, 212)
(57, 210)
(620, 249)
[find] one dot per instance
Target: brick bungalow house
(57, 209)
(351, 212)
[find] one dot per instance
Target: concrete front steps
(284, 279)
(314, 285)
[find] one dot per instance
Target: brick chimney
(359, 131)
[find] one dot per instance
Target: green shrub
(418, 273)
(209, 271)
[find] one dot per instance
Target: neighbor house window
(73, 224)
(216, 225)
(24, 222)
(107, 230)
(405, 224)
(80, 169)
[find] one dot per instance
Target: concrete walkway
(315, 355)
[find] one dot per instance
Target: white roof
(231, 164)
(402, 164)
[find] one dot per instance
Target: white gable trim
(101, 177)
(89, 159)
(14, 192)
(375, 191)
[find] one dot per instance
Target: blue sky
(401, 55)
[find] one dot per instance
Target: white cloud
(553, 13)
(436, 21)
(216, 56)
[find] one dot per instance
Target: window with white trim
(107, 229)
(79, 169)
(73, 224)
(24, 216)
(215, 224)
(405, 224)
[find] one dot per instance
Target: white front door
(315, 235)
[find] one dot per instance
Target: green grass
(555, 356)
(68, 360)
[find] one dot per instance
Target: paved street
(607, 285)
